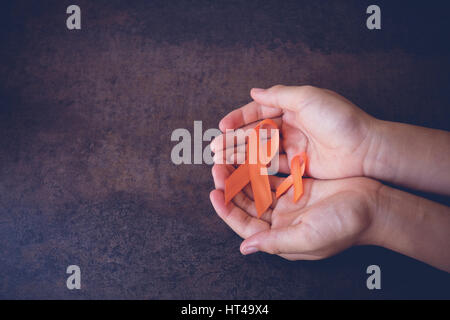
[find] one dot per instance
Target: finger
(295, 257)
(238, 220)
(232, 138)
(230, 156)
(238, 158)
(285, 97)
(297, 142)
(239, 145)
(284, 240)
(247, 114)
(220, 173)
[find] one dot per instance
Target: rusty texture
(85, 124)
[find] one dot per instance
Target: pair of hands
(338, 207)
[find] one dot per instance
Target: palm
(332, 131)
(330, 216)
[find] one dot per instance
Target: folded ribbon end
(298, 169)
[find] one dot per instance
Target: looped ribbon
(255, 172)
(298, 165)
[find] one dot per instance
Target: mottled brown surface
(85, 124)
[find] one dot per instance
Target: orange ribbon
(298, 165)
(254, 173)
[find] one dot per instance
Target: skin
(321, 223)
(343, 141)
(343, 145)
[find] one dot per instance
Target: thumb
(289, 98)
(276, 241)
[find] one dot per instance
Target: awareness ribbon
(256, 173)
(298, 165)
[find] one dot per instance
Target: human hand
(330, 217)
(341, 141)
(335, 134)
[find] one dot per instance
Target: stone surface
(85, 124)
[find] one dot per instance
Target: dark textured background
(85, 124)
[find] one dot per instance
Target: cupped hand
(330, 217)
(335, 134)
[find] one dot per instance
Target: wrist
(410, 225)
(377, 203)
(371, 160)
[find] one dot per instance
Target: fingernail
(258, 90)
(249, 250)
